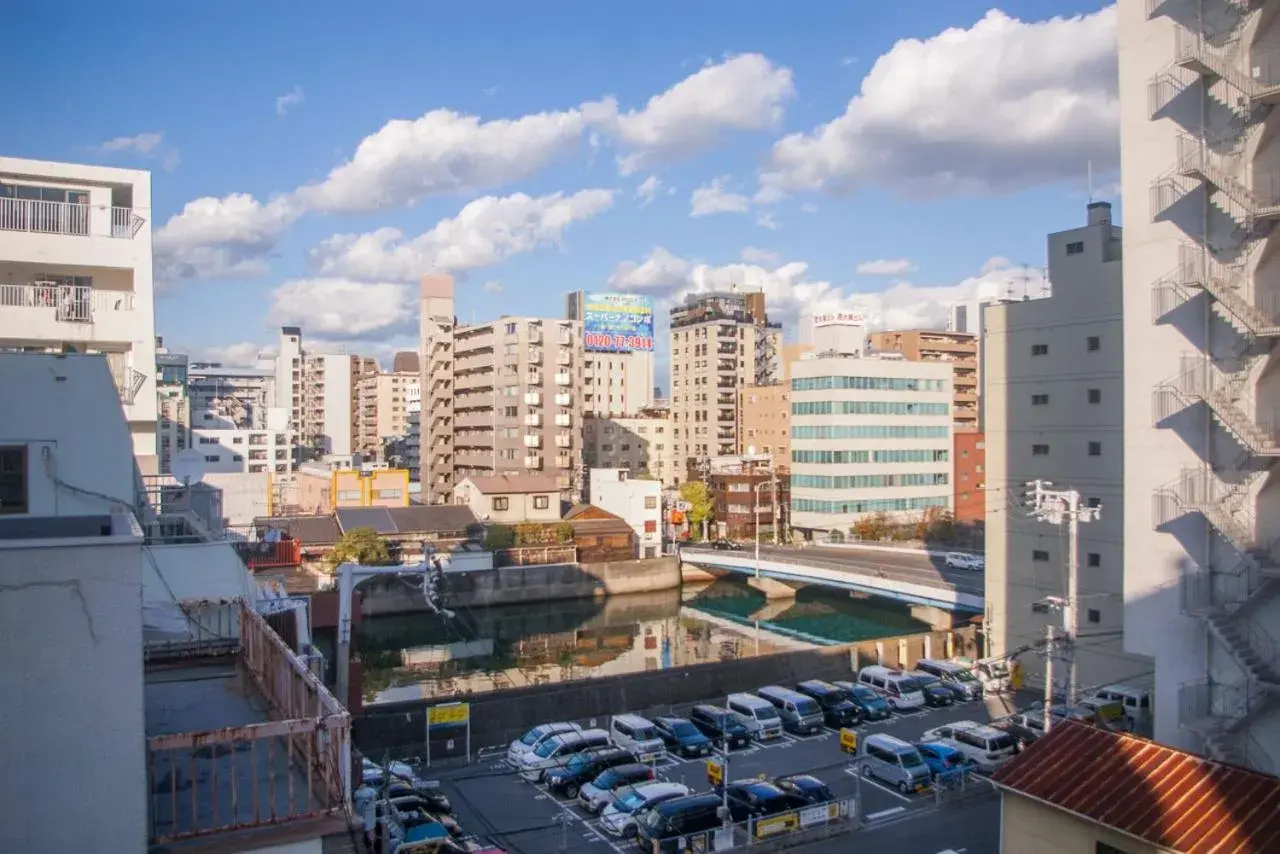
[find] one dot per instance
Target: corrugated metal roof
(308, 530)
(1170, 798)
(433, 518)
(366, 517)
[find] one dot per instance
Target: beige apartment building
(1201, 181)
(382, 407)
(720, 343)
(433, 446)
(320, 393)
(640, 444)
(766, 411)
(933, 345)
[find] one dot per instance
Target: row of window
(869, 431)
(1095, 450)
(868, 407)
(870, 505)
(1042, 399)
(1092, 343)
(885, 456)
(867, 384)
(867, 481)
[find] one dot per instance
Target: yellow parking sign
(715, 772)
(450, 714)
(848, 740)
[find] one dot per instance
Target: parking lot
(493, 801)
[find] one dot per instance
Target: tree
(499, 537)
(563, 532)
(873, 527)
(698, 497)
(359, 545)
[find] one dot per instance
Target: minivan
(1136, 702)
(837, 709)
(556, 751)
(893, 761)
(534, 737)
(952, 674)
(988, 747)
(871, 706)
(761, 717)
(668, 822)
(895, 686)
(800, 714)
(638, 735)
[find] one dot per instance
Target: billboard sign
(840, 318)
(617, 323)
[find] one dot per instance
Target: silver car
(599, 793)
(620, 819)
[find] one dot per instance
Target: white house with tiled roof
(510, 499)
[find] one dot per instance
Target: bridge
(918, 578)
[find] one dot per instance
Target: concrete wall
(500, 716)
(523, 584)
(1030, 826)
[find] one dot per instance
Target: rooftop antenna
(1025, 279)
(188, 467)
(1089, 167)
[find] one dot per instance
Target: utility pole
(1049, 652)
(1056, 507)
(777, 513)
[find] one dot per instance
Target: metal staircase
(1228, 394)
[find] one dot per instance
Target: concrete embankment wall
(518, 585)
(500, 716)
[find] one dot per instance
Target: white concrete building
(319, 393)
(1054, 403)
(637, 502)
(868, 435)
(1201, 182)
(234, 450)
(641, 444)
(76, 275)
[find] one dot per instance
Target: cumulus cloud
(713, 198)
(289, 100)
(340, 310)
(648, 189)
(766, 219)
(143, 143)
(999, 107)
(885, 267)
(217, 238)
(661, 271)
(484, 232)
(753, 255)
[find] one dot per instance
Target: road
(917, 567)
(492, 801)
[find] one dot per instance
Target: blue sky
(962, 148)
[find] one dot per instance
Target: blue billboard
(617, 323)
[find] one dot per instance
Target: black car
(721, 726)
(871, 706)
(726, 546)
(929, 682)
(804, 789)
(837, 711)
(682, 737)
(582, 768)
(1025, 730)
(935, 693)
(435, 799)
(758, 798)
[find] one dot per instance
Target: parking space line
(886, 789)
(876, 816)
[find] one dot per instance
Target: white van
(638, 735)
(964, 560)
(993, 673)
(534, 737)
(893, 761)
(899, 689)
(557, 750)
(1136, 702)
(952, 674)
(761, 718)
(987, 746)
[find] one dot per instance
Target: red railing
(264, 554)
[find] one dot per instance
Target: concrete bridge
(919, 578)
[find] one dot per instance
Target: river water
(422, 656)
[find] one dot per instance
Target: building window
(500, 503)
(1095, 559)
(1095, 395)
(1039, 555)
(651, 502)
(1093, 342)
(1095, 449)
(1039, 349)
(395, 494)
(1076, 248)
(1039, 450)
(13, 481)
(651, 526)
(1039, 400)
(541, 502)
(1093, 502)
(1095, 616)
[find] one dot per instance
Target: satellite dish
(188, 467)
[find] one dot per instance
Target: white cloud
(493, 286)
(809, 208)
(713, 198)
(765, 219)
(484, 232)
(752, 255)
(289, 100)
(216, 238)
(243, 354)
(885, 267)
(999, 107)
(342, 310)
(143, 143)
(661, 271)
(744, 92)
(648, 189)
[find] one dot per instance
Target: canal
(422, 656)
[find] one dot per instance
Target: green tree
(698, 497)
(499, 537)
(563, 532)
(359, 545)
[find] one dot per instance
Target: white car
(962, 560)
(621, 818)
(529, 742)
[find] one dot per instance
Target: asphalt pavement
(492, 801)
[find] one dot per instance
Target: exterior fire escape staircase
(1243, 569)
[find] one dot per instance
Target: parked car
(682, 737)
(837, 710)
(1024, 729)
(937, 694)
(727, 546)
(893, 761)
(871, 706)
(963, 560)
(530, 741)
(988, 747)
(638, 735)
(804, 789)
(619, 818)
(952, 674)
(435, 799)
(555, 752)
(600, 792)
(582, 768)
(944, 759)
(895, 686)
(720, 725)
(758, 798)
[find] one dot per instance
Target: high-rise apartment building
(765, 411)
(431, 446)
(235, 422)
(76, 275)
(173, 424)
(720, 343)
(959, 350)
(1053, 390)
(320, 393)
(382, 404)
(617, 373)
(1201, 182)
(365, 373)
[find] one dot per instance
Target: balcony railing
(69, 303)
(64, 218)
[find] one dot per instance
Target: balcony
(563, 441)
(564, 419)
(564, 461)
(217, 760)
(564, 379)
(533, 462)
(533, 440)
(534, 355)
(564, 358)
(256, 553)
(45, 311)
(533, 398)
(75, 220)
(533, 419)
(563, 398)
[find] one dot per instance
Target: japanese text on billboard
(617, 323)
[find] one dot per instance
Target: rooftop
(417, 519)
(1153, 793)
(510, 484)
